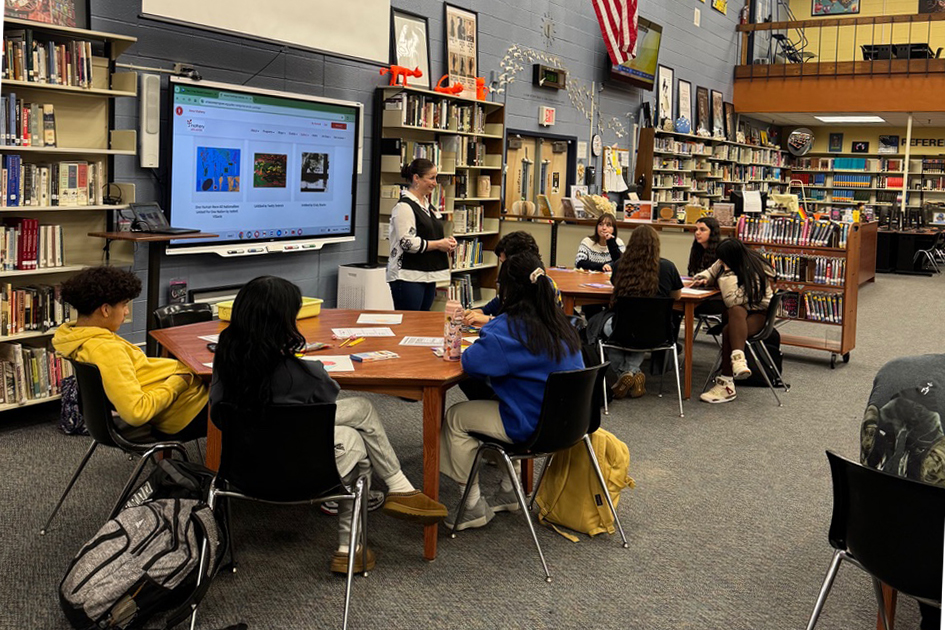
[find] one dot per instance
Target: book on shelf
(807, 268)
(34, 57)
(72, 183)
(30, 372)
(466, 254)
(823, 307)
(791, 231)
(26, 245)
(437, 112)
(467, 219)
(27, 124)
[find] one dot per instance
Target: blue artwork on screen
(218, 169)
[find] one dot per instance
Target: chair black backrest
(279, 452)
(570, 409)
(182, 314)
(771, 317)
(644, 322)
(95, 406)
(892, 526)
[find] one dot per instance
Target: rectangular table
(572, 283)
(418, 375)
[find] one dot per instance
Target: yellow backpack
(570, 494)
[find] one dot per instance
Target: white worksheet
(341, 333)
(424, 342)
(381, 318)
(688, 291)
(336, 363)
(210, 338)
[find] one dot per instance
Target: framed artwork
(664, 99)
(835, 143)
(718, 115)
(931, 6)
(722, 6)
(860, 147)
(730, 129)
(703, 121)
(409, 45)
(888, 144)
(839, 7)
(462, 46)
(74, 13)
(684, 104)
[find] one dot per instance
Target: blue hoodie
(517, 376)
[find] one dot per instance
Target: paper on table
(210, 338)
(424, 342)
(471, 339)
(362, 332)
(690, 291)
(598, 285)
(337, 363)
(381, 318)
(209, 365)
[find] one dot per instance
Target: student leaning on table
(516, 351)
(159, 392)
(601, 250)
(419, 251)
(256, 364)
(746, 282)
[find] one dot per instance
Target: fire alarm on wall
(546, 116)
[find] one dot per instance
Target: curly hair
(516, 243)
(91, 288)
(604, 218)
(638, 272)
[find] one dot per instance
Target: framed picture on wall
(718, 115)
(409, 44)
(74, 13)
(664, 98)
(931, 6)
(860, 147)
(835, 142)
(684, 107)
(462, 46)
(722, 6)
(836, 7)
(888, 145)
(703, 120)
(730, 128)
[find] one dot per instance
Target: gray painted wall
(704, 56)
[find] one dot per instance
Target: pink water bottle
(453, 331)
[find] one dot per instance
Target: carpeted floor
(727, 524)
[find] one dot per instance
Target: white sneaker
(739, 366)
(722, 392)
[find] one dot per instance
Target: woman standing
(706, 241)
(419, 252)
(601, 250)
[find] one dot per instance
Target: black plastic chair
(933, 252)
(97, 412)
(889, 526)
(173, 315)
(756, 345)
(644, 325)
(570, 412)
(285, 454)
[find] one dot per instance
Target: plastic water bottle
(453, 331)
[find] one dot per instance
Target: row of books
(810, 179)
(43, 184)
(466, 150)
(672, 145)
(410, 151)
(467, 219)
(25, 124)
(855, 181)
(26, 245)
(466, 291)
(468, 253)
(748, 155)
(927, 183)
(32, 309)
(873, 165)
(812, 306)
(676, 194)
(28, 58)
(847, 196)
(668, 180)
(30, 373)
(804, 268)
(791, 231)
(933, 165)
(421, 110)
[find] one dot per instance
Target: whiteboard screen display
(360, 29)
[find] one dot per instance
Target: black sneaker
(375, 501)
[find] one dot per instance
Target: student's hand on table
(607, 268)
(475, 318)
(697, 282)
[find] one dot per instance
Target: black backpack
(144, 562)
(773, 345)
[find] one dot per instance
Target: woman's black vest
(429, 228)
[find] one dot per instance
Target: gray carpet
(728, 522)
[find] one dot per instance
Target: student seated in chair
(159, 392)
(255, 364)
(516, 351)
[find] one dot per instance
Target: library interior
(653, 277)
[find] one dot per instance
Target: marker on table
(356, 341)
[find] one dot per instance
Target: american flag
(618, 24)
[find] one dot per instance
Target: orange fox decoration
(456, 88)
(481, 90)
(403, 73)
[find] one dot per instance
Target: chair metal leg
(600, 345)
(520, 495)
(678, 384)
(139, 467)
(75, 476)
(211, 503)
(715, 368)
(663, 373)
(825, 587)
(364, 518)
(228, 515)
(353, 546)
(541, 476)
(881, 603)
(603, 485)
(764, 373)
(477, 462)
(774, 367)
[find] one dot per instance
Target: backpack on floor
(570, 494)
(773, 345)
(144, 562)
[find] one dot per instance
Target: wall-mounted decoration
(860, 147)
(836, 7)
(409, 44)
(931, 6)
(888, 144)
(462, 47)
(718, 115)
(722, 6)
(684, 106)
(730, 129)
(835, 143)
(74, 13)
(703, 119)
(664, 98)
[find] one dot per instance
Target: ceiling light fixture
(842, 120)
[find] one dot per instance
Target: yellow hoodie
(143, 389)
